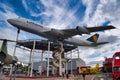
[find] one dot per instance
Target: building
(70, 67)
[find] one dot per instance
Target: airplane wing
(84, 30)
(100, 28)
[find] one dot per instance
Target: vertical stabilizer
(3, 51)
(93, 38)
(4, 46)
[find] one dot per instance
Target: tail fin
(3, 51)
(93, 38)
(4, 47)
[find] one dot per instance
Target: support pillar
(71, 64)
(66, 67)
(60, 61)
(29, 64)
(41, 63)
(32, 56)
(78, 60)
(53, 70)
(48, 58)
(11, 70)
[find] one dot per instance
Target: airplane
(6, 58)
(65, 35)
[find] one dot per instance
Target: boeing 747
(66, 35)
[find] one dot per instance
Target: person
(67, 76)
(62, 74)
(83, 75)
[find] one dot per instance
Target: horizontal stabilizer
(100, 43)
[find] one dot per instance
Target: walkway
(88, 77)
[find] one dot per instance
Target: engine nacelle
(82, 30)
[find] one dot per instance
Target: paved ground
(88, 77)
(103, 77)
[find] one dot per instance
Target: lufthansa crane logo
(95, 38)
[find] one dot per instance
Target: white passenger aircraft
(66, 35)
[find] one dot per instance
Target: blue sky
(63, 14)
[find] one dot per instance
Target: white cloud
(57, 16)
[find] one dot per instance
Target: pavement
(71, 77)
(102, 77)
(88, 77)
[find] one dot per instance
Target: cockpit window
(117, 69)
(30, 22)
(117, 57)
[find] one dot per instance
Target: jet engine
(82, 30)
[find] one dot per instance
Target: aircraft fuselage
(50, 33)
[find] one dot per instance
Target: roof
(43, 45)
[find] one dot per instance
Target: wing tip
(111, 26)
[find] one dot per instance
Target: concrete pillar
(29, 65)
(48, 58)
(16, 42)
(66, 63)
(11, 70)
(53, 70)
(71, 63)
(32, 56)
(60, 61)
(78, 59)
(41, 63)
(60, 65)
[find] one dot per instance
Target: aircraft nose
(11, 21)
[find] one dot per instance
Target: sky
(63, 14)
